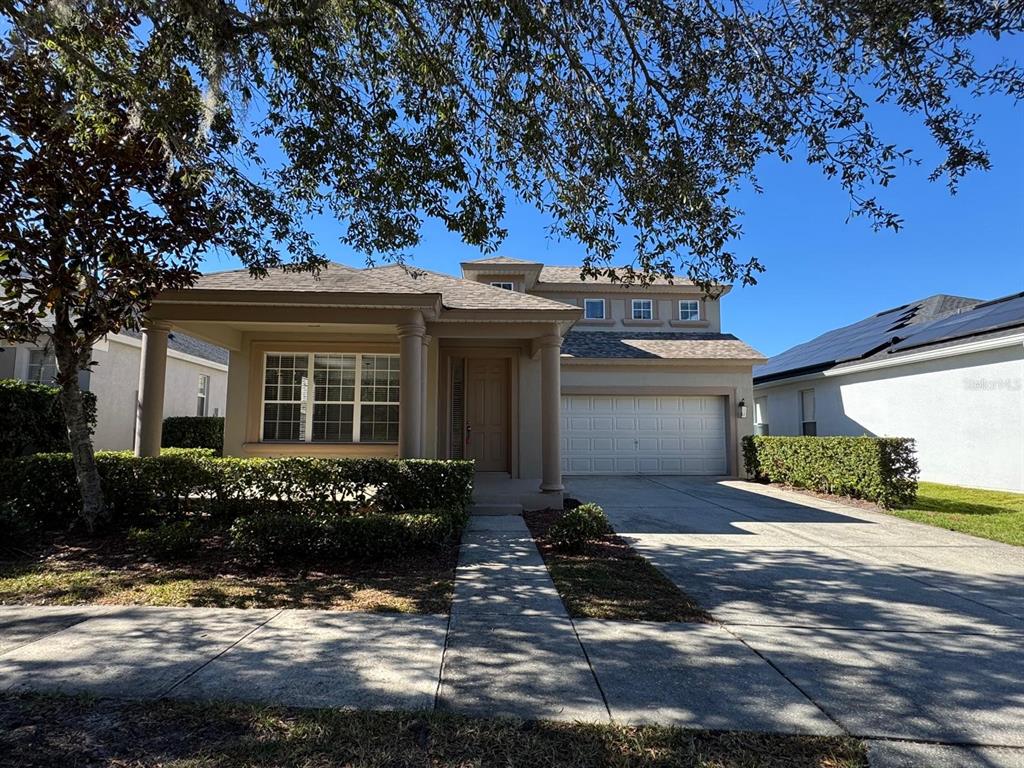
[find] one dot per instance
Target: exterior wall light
(741, 409)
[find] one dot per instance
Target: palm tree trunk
(79, 435)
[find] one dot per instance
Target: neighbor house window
(353, 398)
(202, 394)
(593, 309)
(760, 410)
(643, 309)
(689, 310)
(42, 367)
(809, 425)
(505, 284)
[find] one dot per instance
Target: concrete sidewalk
(508, 649)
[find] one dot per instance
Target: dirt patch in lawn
(37, 731)
(608, 579)
(109, 570)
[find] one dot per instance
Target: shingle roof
(503, 260)
(457, 293)
(571, 275)
(936, 319)
(189, 345)
(664, 346)
(332, 278)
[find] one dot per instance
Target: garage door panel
(643, 435)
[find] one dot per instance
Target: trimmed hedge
(194, 432)
(296, 535)
(879, 469)
(31, 419)
(180, 480)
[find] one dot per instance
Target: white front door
(643, 435)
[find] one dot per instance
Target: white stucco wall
(966, 413)
(115, 381)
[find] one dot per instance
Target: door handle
(469, 432)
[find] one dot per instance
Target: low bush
(174, 540)
(578, 525)
(284, 535)
(137, 490)
(879, 469)
(194, 432)
(31, 419)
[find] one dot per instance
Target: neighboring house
(946, 371)
(527, 369)
(196, 380)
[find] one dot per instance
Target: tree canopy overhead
(617, 119)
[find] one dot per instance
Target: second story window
(643, 309)
(689, 309)
(504, 285)
(42, 367)
(593, 309)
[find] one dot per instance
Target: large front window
(353, 398)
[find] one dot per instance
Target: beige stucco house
(526, 368)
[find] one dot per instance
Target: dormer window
(643, 309)
(689, 309)
(593, 309)
(504, 285)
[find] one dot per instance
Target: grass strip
(38, 731)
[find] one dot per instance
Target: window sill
(596, 322)
(385, 450)
(688, 323)
(643, 322)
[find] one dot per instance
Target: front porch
(324, 372)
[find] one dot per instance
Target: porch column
(424, 416)
(550, 411)
(149, 412)
(410, 410)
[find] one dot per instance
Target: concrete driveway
(896, 631)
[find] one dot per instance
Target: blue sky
(822, 270)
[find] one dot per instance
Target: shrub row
(31, 418)
(43, 486)
(879, 469)
(295, 535)
(194, 432)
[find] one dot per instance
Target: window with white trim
(593, 309)
(42, 366)
(760, 410)
(808, 420)
(354, 398)
(504, 285)
(643, 309)
(202, 394)
(689, 309)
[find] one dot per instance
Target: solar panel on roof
(991, 316)
(849, 343)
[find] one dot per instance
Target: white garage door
(643, 435)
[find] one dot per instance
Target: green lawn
(995, 515)
(38, 731)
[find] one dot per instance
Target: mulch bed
(71, 569)
(608, 579)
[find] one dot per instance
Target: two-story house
(525, 368)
